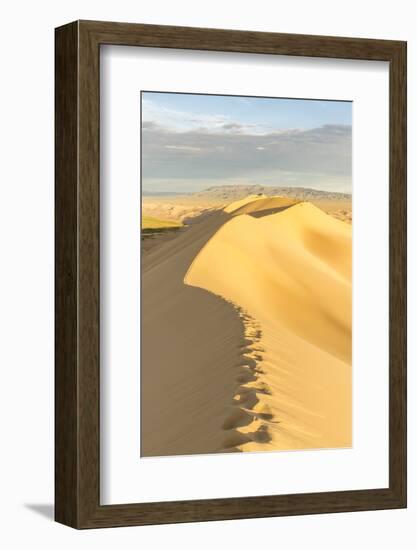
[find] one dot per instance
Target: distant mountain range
(235, 192)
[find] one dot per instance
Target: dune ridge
(191, 342)
(291, 272)
(253, 308)
(255, 204)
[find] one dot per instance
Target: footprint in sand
(247, 401)
(238, 419)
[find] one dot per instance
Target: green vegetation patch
(153, 225)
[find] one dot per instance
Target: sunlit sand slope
(260, 206)
(236, 205)
(289, 272)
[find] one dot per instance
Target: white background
(26, 289)
(126, 478)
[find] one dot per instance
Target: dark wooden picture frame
(77, 374)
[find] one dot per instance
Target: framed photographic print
(230, 274)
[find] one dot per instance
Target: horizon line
(147, 190)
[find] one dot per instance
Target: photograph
(246, 274)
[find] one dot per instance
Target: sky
(191, 142)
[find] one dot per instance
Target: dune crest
(191, 347)
(233, 206)
(262, 206)
(288, 274)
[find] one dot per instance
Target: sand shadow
(269, 211)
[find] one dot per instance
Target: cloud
(174, 121)
(182, 147)
(230, 151)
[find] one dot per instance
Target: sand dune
(240, 203)
(176, 209)
(191, 344)
(259, 204)
(253, 352)
(291, 272)
(339, 209)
